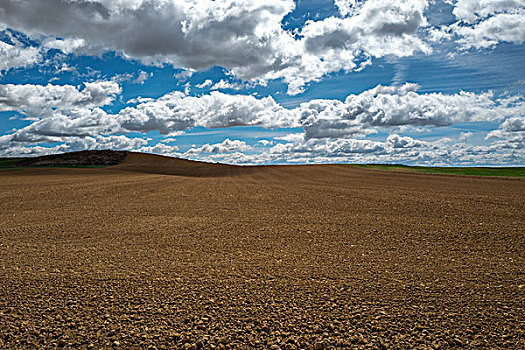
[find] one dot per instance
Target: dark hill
(82, 158)
(133, 162)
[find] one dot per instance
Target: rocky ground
(313, 257)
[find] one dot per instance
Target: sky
(413, 82)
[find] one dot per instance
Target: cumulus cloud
(379, 27)
(38, 101)
(328, 147)
(206, 83)
(160, 148)
(265, 143)
(375, 28)
(332, 129)
(382, 106)
(191, 34)
(227, 146)
(56, 127)
(183, 75)
(67, 46)
(397, 141)
(395, 147)
(346, 7)
(247, 37)
(176, 111)
(142, 77)
(472, 11)
(486, 23)
(244, 36)
(359, 115)
(13, 56)
(464, 136)
(393, 106)
(511, 133)
(14, 148)
(223, 84)
(514, 124)
(409, 151)
(499, 28)
(63, 114)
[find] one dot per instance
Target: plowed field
(160, 254)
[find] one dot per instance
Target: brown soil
(155, 164)
(267, 257)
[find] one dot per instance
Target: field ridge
(152, 163)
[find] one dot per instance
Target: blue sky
(246, 82)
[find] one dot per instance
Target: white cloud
(69, 108)
(244, 36)
(223, 84)
(64, 67)
(394, 106)
(514, 124)
(183, 75)
(66, 110)
(206, 83)
(265, 143)
(120, 78)
(358, 115)
(13, 56)
(397, 141)
(67, 46)
(227, 146)
(439, 34)
(486, 23)
(58, 126)
(190, 34)
(140, 99)
(176, 111)
(115, 142)
(291, 138)
(472, 11)
(142, 77)
(63, 113)
(160, 148)
(328, 148)
(464, 136)
(347, 7)
(496, 29)
(333, 130)
(511, 133)
(38, 101)
(395, 149)
(377, 28)
(9, 148)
